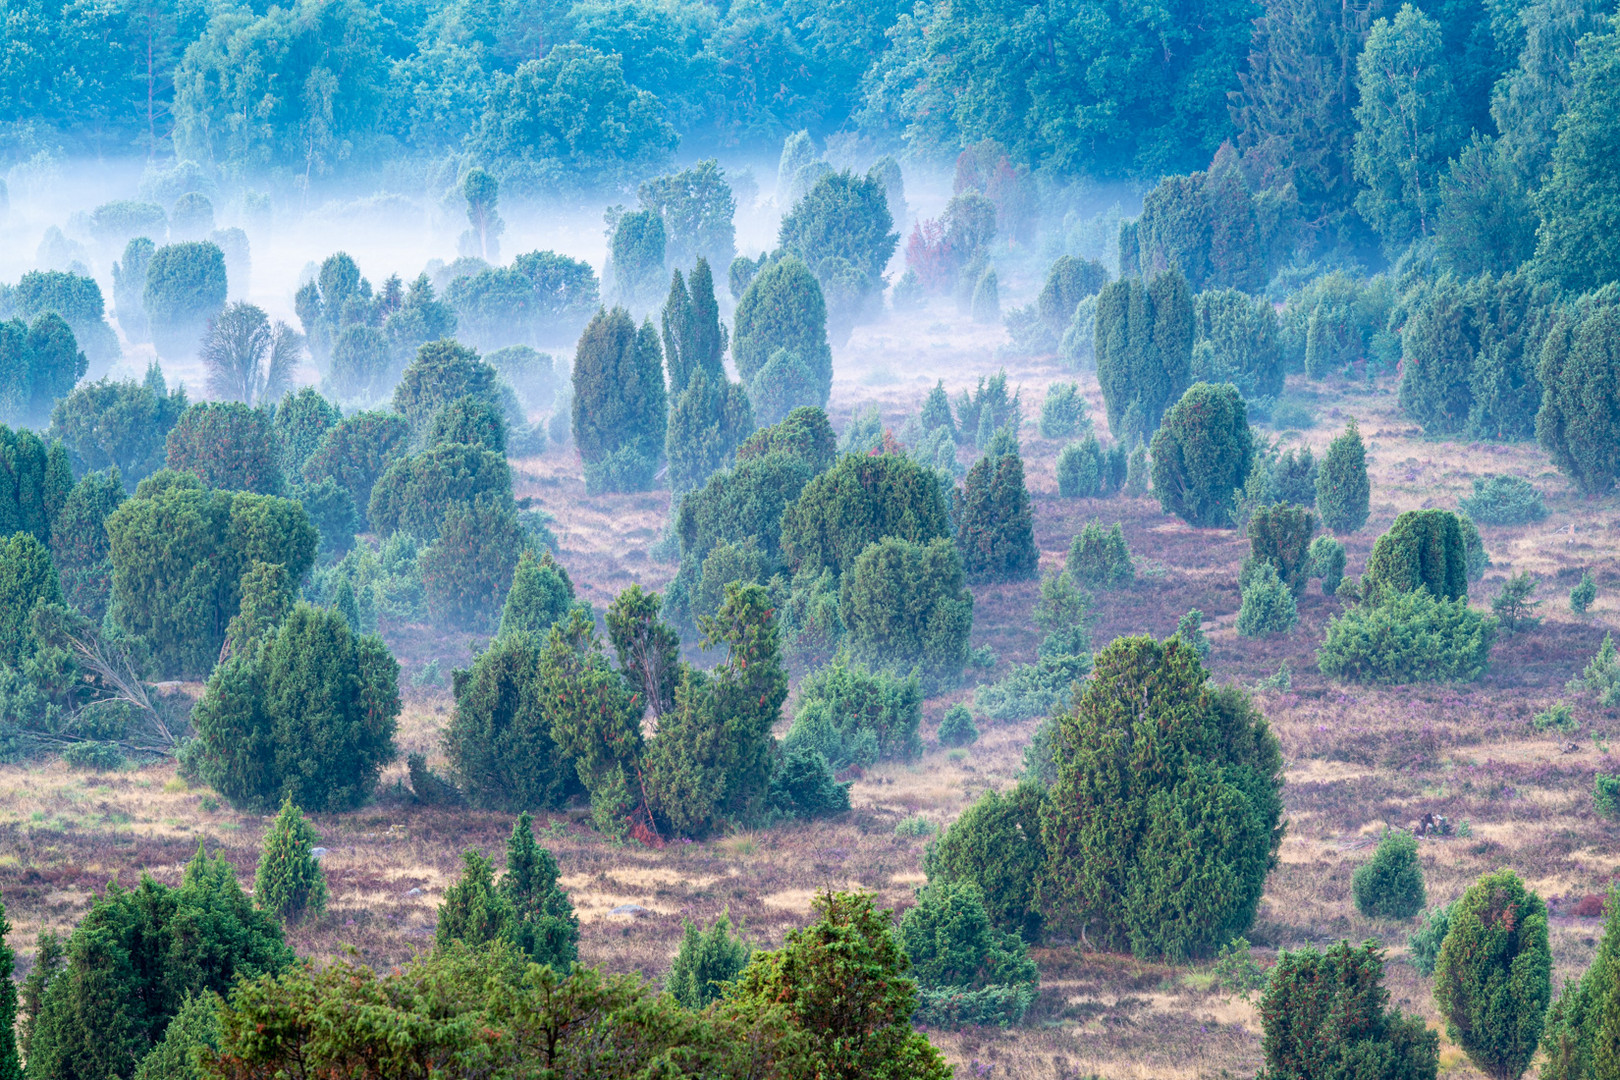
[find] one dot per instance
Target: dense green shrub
(1068, 281)
(1135, 785)
(134, 958)
(706, 422)
(994, 525)
(843, 984)
(79, 544)
(442, 372)
(27, 578)
(849, 712)
(1409, 637)
(301, 422)
(841, 228)
(1423, 947)
(77, 301)
(1326, 1017)
(1281, 535)
(1190, 629)
(1493, 980)
(1422, 549)
(1063, 412)
(1202, 454)
(356, 452)
(541, 594)
(227, 445)
(986, 409)
(737, 505)
(1291, 477)
(1100, 559)
(1581, 1025)
(288, 882)
(711, 759)
(309, 715)
(38, 366)
(1606, 795)
(637, 251)
(957, 729)
(620, 406)
(467, 569)
(1342, 490)
(194, 1030)
(905, 606)
(120, 425)
(1579, 358)
(1503, 500)
(804, 433)
(860, 500)
(1144, 350)
(1086, 470)
(471, 421)
(1268, 604)
(178, 554)
(185, 287)
(1327, 558)
(705, 962)
(417, 493)
(527, 910)
(1063, 659)
(996, 844)
(1512, 606)
(783, 308)
(1235, 341)
(955, 951)
(1582, 595)
(803, 784)
(1602, 674)
(1390, 884)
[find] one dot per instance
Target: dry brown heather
(1358, 758)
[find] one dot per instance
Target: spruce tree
(289, 882)
(1150, 755)
(994, 526)
(1342, 488)
(1493, 980)
(1202, 454)
(620, 405)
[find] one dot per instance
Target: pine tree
(1493, 980)
(620, 405)
(994, 525)
(1342, 488)
(289, 882)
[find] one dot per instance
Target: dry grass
(1358, 758)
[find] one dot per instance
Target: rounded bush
(957, 728)
(1390, 884)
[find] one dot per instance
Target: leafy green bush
(1582, 595)
(1325, 1015)
(844, 702)
(1229, 770)
(1342, 489)
(1326, 559)
(803, 433)
(1268, 604)
(1291, 477)
(954, 947)
(1202, 454)
(996, 845)
(1581, 1023)
(620, 405)
(288, 882)
(499, 740)
(988, 408)
(1493, 980)
(1100, 559)
(1144, 350)
(417, 493)
(914, 826)
(783, 308)
(185, 287)
(309, 715)
(1063, 413)
(356, 452)
(1606, 795)
(906, 607)
(1390, 884)
(1236, 342)
(957, 729)
(637, 249)
(93, 756)
(705, 962)
(1190, 629)
(467, 570)
(134, 958)
(1504, 500)
(1083, 470)
(540, 596)
(1410, 637)
(994, 525)
(1063, 659)
(1280, 535)
(1235, 969)
(119, 425)
(1556, 717)
(1422, 549)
